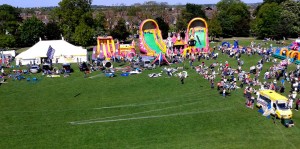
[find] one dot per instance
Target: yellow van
(278, 103)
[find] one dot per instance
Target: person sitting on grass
(252, 100)
(212, 86)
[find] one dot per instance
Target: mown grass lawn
(135, 112)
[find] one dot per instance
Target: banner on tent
(69, 59)
(50, 53)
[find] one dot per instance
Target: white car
(136, 71)
(35, 69)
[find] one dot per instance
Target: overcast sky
(44, 3)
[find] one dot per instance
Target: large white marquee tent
(64, 53)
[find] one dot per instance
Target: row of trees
(80, 24)
(277, 19)
(73, 19)
(15, 32)
(231, 19)
(272, 18)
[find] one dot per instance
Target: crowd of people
(249, 79)
(223, 75)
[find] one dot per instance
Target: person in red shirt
(297, 104)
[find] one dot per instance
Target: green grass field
(134, 112)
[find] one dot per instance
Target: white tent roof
(11, 52)
(61, 47)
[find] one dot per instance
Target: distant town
(113, 13)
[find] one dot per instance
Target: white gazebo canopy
(64, 52)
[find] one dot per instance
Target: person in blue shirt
(282, 82)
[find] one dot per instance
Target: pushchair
(287, 123)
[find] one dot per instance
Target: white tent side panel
(11, 52)
(64, 53)
(70, 59)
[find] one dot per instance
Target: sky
(46, 3)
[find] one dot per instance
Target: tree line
(78, 23)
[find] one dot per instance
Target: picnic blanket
(53, 76)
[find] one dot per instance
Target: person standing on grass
(224, 92)
(297, 104)
(182, 78)
(282, 82)
(294, 95)
(252, 102)
(191, 63)
(290, 104)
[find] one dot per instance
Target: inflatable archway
(289, 53)
(227, 44)
(198, 29)
(295, 54)
(151, 42)
(286, 51)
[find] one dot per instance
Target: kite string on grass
(148, 117)
(155, 110)
(183, 98)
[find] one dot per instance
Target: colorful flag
(50, 53)
(160, 58)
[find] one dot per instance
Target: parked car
(35, 69)
(67, 68)
(145, 63)
(46, 67)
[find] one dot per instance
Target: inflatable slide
(105, 48)
(197, 30)
(151, 42)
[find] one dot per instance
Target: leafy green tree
(88, 19)
(191, 11)
(214, 26)
(120, 31)
(172, 28)
(163, 26)
(52, 31)
(84, 35)
(290, 19)
(100, 24)
(7, 41)
(268, 1)
(133, 11)
(195, 10)
(31, 30)
(9, 19)
(9, 22)
(234, 17)
(70, 13)
(274, 1)
(267, 22)
(183, 20)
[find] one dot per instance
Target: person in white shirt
(294, 95)
(295, 85)
(224, 92)
(266, 75)
(290, 103)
